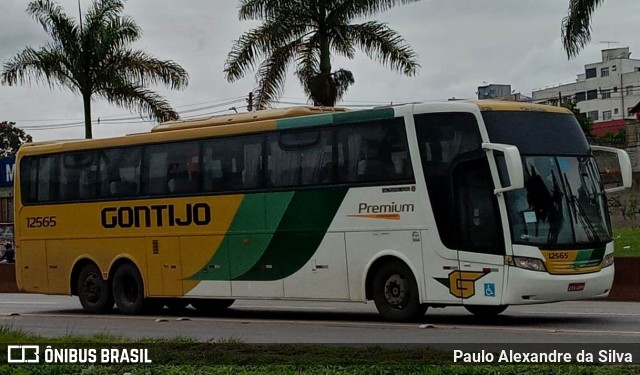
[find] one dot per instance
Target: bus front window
(563, 202)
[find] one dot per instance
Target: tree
(576, 26)
(11, 138)
(585, 122)
(308, 32)
(93, 58)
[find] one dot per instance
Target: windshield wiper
(580, 215)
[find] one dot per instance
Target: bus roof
(243, 118)
(501, 105)
(259, 121)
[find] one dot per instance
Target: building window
(629, 90)
(629, 109)
(637, 69)
(614, 68)
(606, 94)
(606, 115)
(593, 115)
(615, 111)
(592, 94)
(604, 72)
(615, 88)
(590, 73)
(580, 96)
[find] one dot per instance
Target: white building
(606, 91)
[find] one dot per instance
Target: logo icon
(461, 284)
(23, 354)
(489, 290)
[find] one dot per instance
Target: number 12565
(41, 222)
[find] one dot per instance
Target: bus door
(480, 240)
(164, 266)
(468, 260)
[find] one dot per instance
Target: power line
(78, 121)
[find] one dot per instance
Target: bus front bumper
(528, 287)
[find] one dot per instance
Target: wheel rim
(396, 291)
(92, 287)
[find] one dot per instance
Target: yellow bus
(478, 204)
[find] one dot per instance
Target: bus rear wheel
(128, 290)
(395, 293)
(485, 311)
(93, 291)
(212, 306)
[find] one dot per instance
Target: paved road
(315, 322)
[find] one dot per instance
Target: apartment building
(606, 91)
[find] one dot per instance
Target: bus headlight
(608, 260)
(527, 263)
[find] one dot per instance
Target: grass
(627, 242)
(186, 356)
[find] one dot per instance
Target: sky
(461, 44)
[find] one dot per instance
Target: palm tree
(576, 26)
(94, 58)
(309, 32)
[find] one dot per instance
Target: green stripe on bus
(335, 118)
(248, 236)
(589, 257)
(372, 114)
(304, 121)
(299, 234)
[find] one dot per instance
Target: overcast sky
(461, 44)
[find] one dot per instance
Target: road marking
(548, 330)
(282, 307)
(29, 303)
(575, 313)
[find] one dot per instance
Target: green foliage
(11, 138)
(576, 26)
(616, 139)
(627, 242)
(94, 58)
(309, 32)
(180, 356)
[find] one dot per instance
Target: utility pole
(559, 98)
(250, 102)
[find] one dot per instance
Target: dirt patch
(8, 278)
(626, 283)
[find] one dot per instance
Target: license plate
(575, 287)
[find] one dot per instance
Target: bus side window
(120, 172)
(374, 152)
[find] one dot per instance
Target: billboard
(7, 170)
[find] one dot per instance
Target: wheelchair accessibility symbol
(489, 290)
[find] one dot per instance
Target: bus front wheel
(485, 311)
(395, 293)
(93, 291)
(128, 289)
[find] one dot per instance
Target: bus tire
(94, 292)
(212, 306)
(485, 311)
(395, 293)
(128, 290)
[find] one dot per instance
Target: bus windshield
(563, 202)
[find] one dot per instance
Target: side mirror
(513, 164)
(624, 165)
